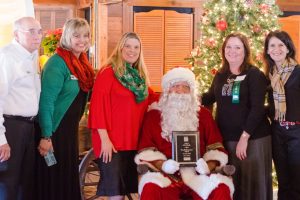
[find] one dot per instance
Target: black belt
(21, 118)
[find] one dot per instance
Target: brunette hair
(283, 37)
(247, 59)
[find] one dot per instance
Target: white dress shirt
(19, 83)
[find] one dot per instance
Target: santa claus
(178, 109)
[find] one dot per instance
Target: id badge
(50, 158)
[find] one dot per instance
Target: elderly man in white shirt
(19, 97)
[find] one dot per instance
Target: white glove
(202, 167)
(170, 166)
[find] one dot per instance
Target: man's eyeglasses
(33, 31)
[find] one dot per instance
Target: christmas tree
(253, 18)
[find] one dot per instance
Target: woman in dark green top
(66, 80)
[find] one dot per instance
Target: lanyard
(236, 92)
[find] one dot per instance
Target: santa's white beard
(179, 113)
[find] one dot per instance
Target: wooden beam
(197, 19)
(127, 18)
(166, 3)
(74, 2)
(102, 34)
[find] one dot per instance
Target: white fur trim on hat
(216, 155)
(203, 185)
(149, 155)
(178, 74)
(153, 177)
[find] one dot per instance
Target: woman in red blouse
(119, 101)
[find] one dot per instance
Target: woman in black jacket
(239, 90)
(284, 73)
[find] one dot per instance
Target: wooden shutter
(52, 17)
(150, 27)
(178, 38)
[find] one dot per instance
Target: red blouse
(113, 107)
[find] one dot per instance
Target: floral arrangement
(51, 40)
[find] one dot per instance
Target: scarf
(132, 80)
(278, 79)
(79, 67)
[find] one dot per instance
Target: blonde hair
(118, 63)
(74, 25)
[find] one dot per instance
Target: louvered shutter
(52, 17)
(45, 19)
(150, 27)
(178, 38)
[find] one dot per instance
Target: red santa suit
(156, 185)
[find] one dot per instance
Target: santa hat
(176, 75)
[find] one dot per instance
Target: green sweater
(59, 89)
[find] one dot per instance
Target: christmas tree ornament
(256, 28)
(264, 8)
(205, 20)
(210, 42)
(221, 25)
(213, 71)
(249, 3)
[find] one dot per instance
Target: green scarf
(134, 82)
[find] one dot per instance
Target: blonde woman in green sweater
(66, 80)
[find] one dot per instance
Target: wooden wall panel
(115, 26)
(102, 35)
(150, 27)
(292, 26)
(167, 3)
(115, 33)
(289, 5)
(178, 38)
(74, 2)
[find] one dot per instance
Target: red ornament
(256, 28)
(213, 71)
(210, 42)
(221, 25)
(264, 8)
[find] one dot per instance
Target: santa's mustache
(181, 102)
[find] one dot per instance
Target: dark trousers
(17, 182)
(286, 156)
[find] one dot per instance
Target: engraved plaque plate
(186, 147)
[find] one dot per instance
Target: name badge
(73, 77)
(240, 78)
